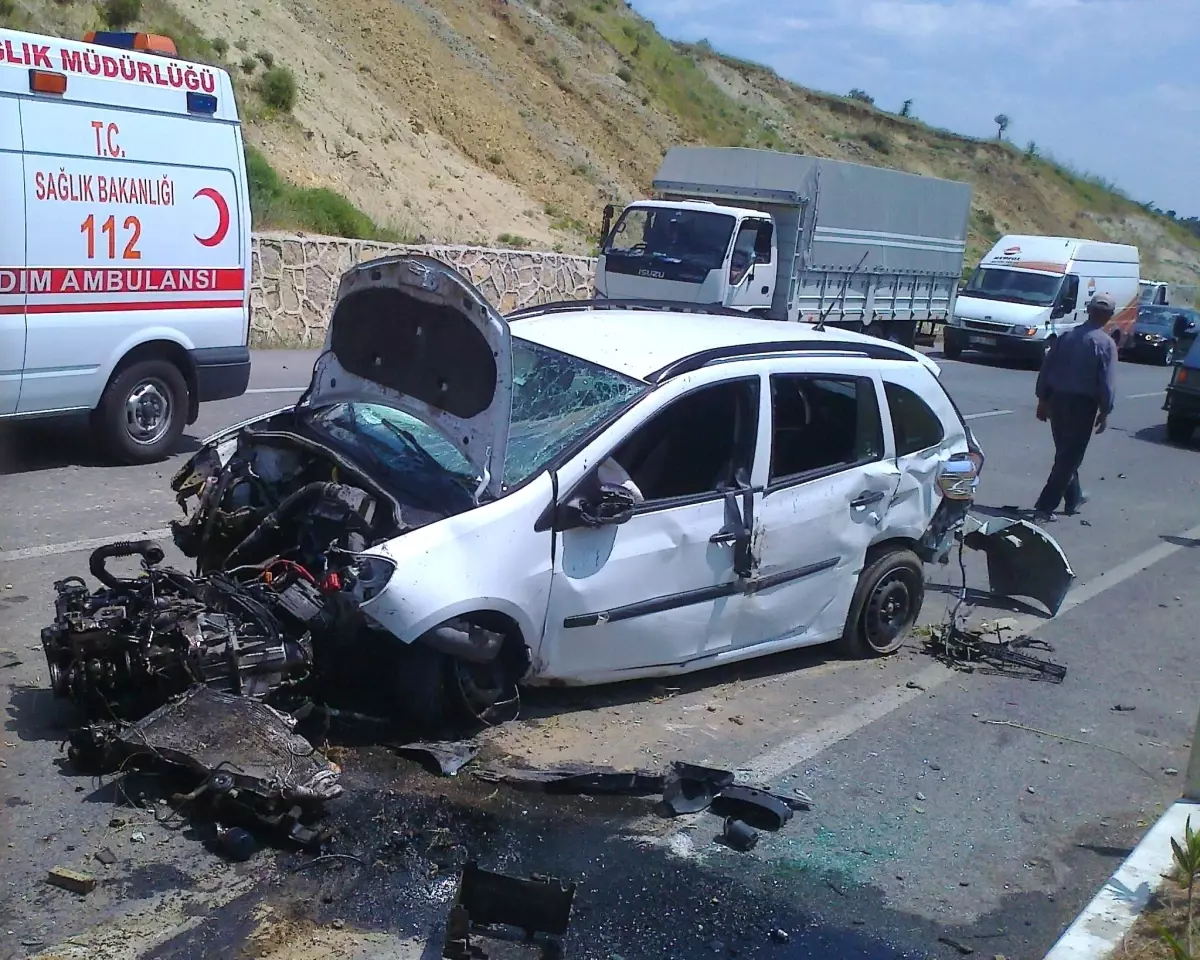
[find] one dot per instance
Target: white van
(1028, 290)
(125, 253)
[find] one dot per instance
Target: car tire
(141, 415)
(886, 604)
(1179, 429)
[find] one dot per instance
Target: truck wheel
(951, 351)
(886, 605)
(1179, 430)
(142, 413)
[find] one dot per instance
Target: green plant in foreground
(278, 88)
(1187, 872)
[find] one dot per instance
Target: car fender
(487, 559)
(141, 336)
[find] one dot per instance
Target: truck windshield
(695, 237)
(1015, 286)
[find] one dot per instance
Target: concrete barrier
(295, 279)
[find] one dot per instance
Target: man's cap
(1102, 303)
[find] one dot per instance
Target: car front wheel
(886, 604)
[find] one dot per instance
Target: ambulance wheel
(142, 413)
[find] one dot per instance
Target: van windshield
(1015, 286)
(694, 237)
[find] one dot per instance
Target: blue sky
(1112, 87)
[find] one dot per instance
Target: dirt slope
(514, 121)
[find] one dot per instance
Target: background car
(1160, 335)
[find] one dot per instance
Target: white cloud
(1101, 84)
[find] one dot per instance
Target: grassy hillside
(486, 121)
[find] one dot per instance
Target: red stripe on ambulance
(72, 281)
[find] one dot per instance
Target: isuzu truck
(791, 237)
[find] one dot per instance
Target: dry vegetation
(514, 122)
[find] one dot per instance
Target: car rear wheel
(886, 604)
(142, 413)
(1179, 429)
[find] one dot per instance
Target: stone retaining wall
(295, 279)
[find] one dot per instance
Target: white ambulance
(1027, 291)
(124, 237)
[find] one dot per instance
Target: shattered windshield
(1015, 286)
(557, 400)
(695, 237)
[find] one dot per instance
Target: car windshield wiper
(413, 444)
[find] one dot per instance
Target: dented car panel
(1022, 559)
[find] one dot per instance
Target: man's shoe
(1041, 516)
(1074, 508)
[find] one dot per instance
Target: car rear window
(914, 424)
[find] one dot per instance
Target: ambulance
(1028, 291)
(124, 237)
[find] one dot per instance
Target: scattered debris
(969, 650)
(72, 880)
(1122, 708)
(962, 948)
(780, 936)
(237, 755)
(537, 905)
(137, 837)
(756, 807)
(739, 835)
(576, 778)
(448, 757)
(105, 856)
(1022, 560)
(1171, 772)
(236, 843)
(691, 789)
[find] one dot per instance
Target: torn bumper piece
(1023, 560)
(237, 755)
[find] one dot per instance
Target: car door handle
(867, 499)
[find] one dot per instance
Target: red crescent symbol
(222, 216)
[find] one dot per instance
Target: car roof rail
(663, 306)
(740, 351)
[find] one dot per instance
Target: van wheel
(142, 412)
(886, 605)
(1179, 430)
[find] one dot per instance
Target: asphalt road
(969, 807)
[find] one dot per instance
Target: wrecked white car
(580, 496)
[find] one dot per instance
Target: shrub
(266, 58)
(861, 96)
(495, 158)
(249, 64)
(570, 18)
(119, 14)
(278, 89)
(530, 40)
(7, 8)
(878, 141)
(625, 75)
(243, 44)
(220, 46)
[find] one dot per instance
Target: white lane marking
(1098, 930)
(986, 413)
(73, 546)
(277, 389)
(786, 756)
(1142, 396)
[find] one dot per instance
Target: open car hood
(412, 333)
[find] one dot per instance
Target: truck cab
(691, 252)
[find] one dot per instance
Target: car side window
(821, 423)
(696, 445)
(1070, 293)
(915, 425)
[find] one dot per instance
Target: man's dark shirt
(1083, 361)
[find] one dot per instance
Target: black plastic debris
(576, 779)
(447, 757)
(739, 835)
(487, 900)
(690, 788)
(756, 807)
(971, 650)
(238, 757)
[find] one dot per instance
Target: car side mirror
(613, 505)
(1060, 310)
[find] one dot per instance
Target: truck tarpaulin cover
(909, 223)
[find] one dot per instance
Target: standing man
(1076, 392)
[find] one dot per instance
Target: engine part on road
(126, 648)
(739, 835)
(690, 788)
(237, 756)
